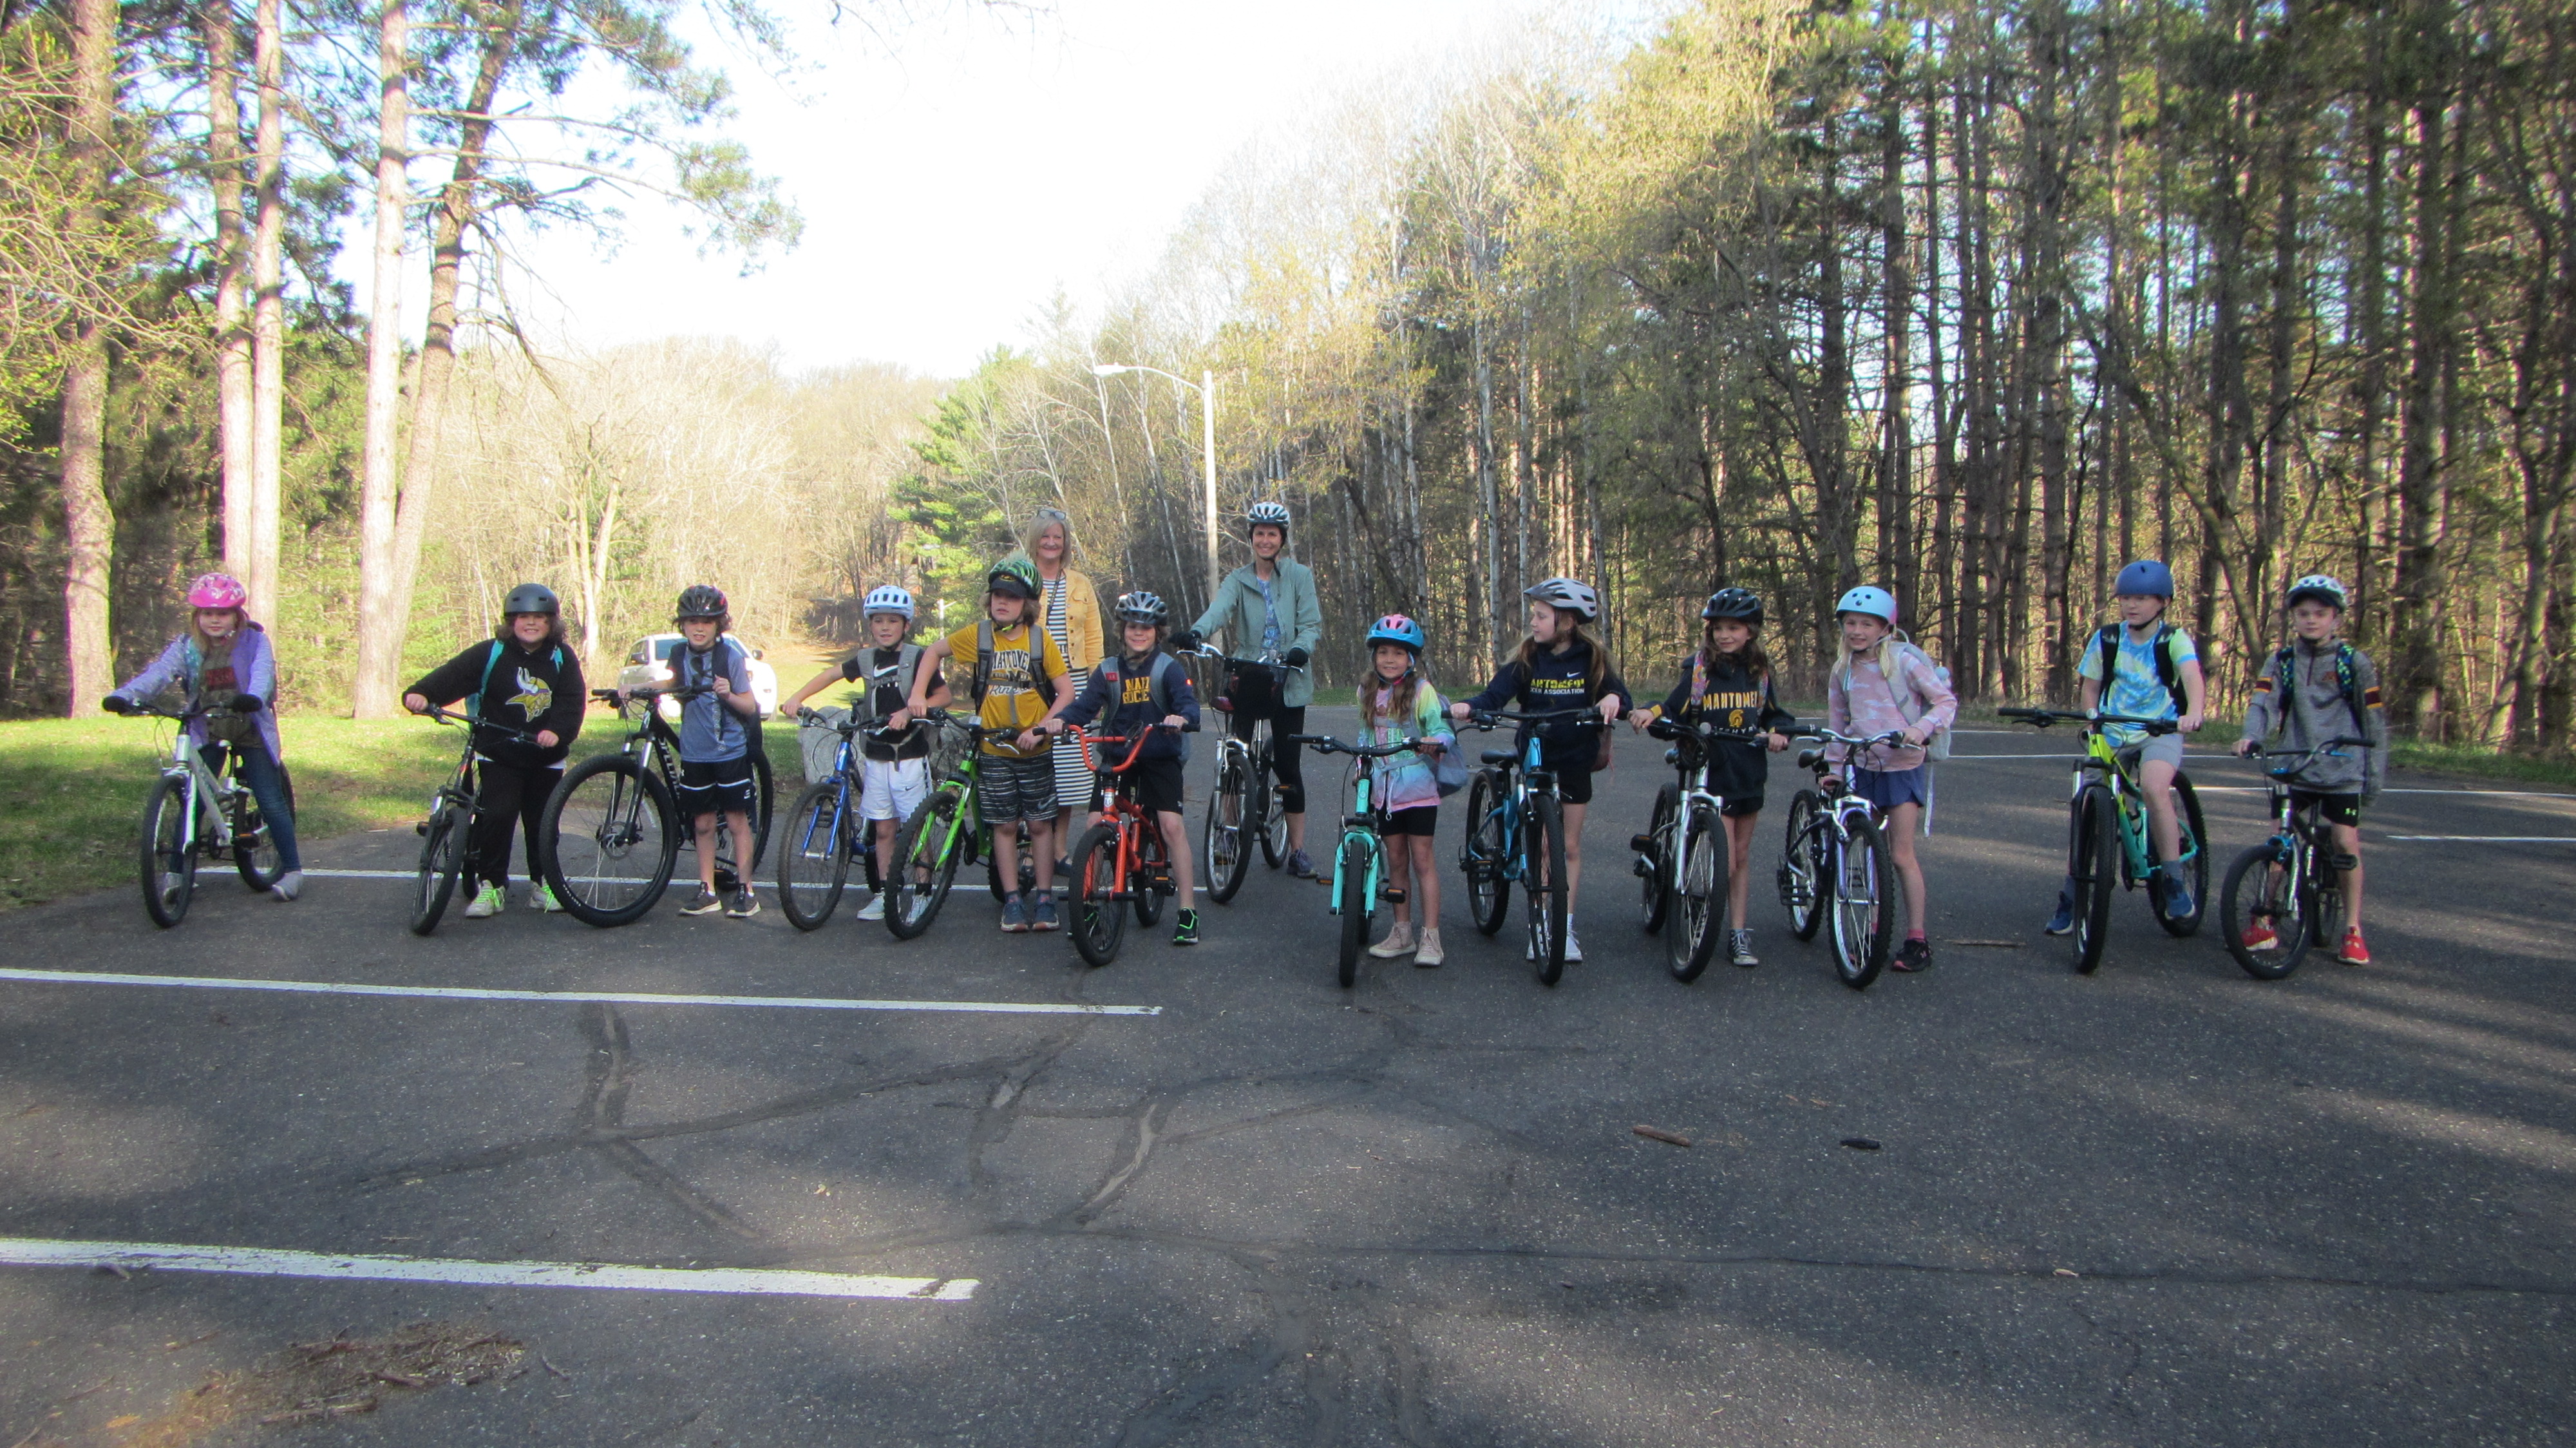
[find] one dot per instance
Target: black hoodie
(1551, 683)
(530, 689)
(1730, 698)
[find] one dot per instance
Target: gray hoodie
(2316, 711)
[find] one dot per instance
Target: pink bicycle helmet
(217, 590)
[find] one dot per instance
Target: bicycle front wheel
(1802, 865)
(1228, 853)
(925, 863)
(442, 861)
(169, 862)
(611, 837)
(1099, 916)
(2094, 861)
(1691, 937)
(1864, 889)
(1269, 817)
(2195, 862)
(1654, 868)
(1543, 859)
(1153, 875)
(2261, 892)
(255, 854)
(1489, 892)
(814, 857)
(1355, 891)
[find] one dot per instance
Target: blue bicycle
(825, 830)
(1516, 831)
(1359, 865)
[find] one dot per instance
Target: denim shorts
(1889, 788)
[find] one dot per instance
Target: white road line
(612, 997)
(2493, 839)
(514, 879)
(266, 1262)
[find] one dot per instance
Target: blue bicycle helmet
(1396, 629)
(2146, 576)
(889, 598)
(1876, 602)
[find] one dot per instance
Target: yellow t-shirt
(1012, 699)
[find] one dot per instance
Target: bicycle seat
(1810, 758)
(1500, 756)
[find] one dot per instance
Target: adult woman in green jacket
(1271, 615)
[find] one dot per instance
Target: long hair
(1750, 658)
(554, 630)
(1401, 694)
(241, 625)
(1582, 633)
(1884, 656)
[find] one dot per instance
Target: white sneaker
(1430, 955)
(289, 885)
(875, 908)
(1399, 941)
(1573, 947)
(488, 902)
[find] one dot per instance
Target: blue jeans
(267, 785)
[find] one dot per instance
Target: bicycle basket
(821, 744)
(1253, 689)
(948, 745)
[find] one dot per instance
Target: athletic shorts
(1422, 819)
(1158, 786)
(1008, 791)
(1738, 806)
(1889, 788)
(1574, 786)
(891, 789)
(714, 786)
(2165, 747)
(2338, 809)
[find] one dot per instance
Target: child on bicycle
(1884, 685)
(1561, 666)
(2320, 688)
(1018, 670)
(227, 669)
(1142, 691)
(717, 719)
(2147, 668)
(1398, 703)
(521, 679)
(1729, 685)
(894, 759)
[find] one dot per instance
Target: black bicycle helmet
(532, 598)
(1735, 603)
(1143, 606)
(700, 600)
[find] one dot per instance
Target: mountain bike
(1681, 858)
(2108, 834)
(199, 811)
(826, 829)
(2300, 893)
(446, 837)
(1837, 862)
(1245, 804)
(612, 830)
(1516, 832)
(1359, 863)
(1123, 859)
(946, 832)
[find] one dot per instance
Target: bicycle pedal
(1642, 868)
(1642, 844)
(421, 828)
(2343, 862)
(1391, 895)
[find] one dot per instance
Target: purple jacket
(253, 660)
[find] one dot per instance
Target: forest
(1977, 302)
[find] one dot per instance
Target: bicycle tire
(2291, 929)
(1265, 809)
(442, 862)
(1802, 865)
(261, 866)
(1546, 851)
(1864, 931)
(926, 863)
(1356, 895)
(1480, 858)
(1656, 896)
(1098, 916)
(814, 857)
(1691, 937)
(167, 869)
(1153, 868)
(2195, 842)
(1224, 850)
(2094, 858)
(624, 841)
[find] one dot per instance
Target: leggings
(510, 795)
(1285, 758)
(267, 785)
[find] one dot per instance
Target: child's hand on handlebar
(1775, 741)
(546, 739)
(1638, 719)
(416, 703)
(1460, 711)
(1609, 707)
(2245, 747)
(2190, 723)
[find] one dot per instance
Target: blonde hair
(1039, 522)
(1884, 655)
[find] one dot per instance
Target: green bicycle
(2110, 839)
(945, 832)
(1359, 865)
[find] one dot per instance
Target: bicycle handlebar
(2042, 718)
(1676, 730)
(445, 716)
(2299, 760)
(1135, 746)
(1579, 718)
(1327, 744)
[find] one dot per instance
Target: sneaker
(745, 904)
(1399, 941)
(2353, 951)
(2259, 935)
(875, 908)
(2177, 894)
(1299, 866)
(707, 902)
(1739, 949)
(542, 897)
(1042, 915)
(1063, 868)
(1573, 947)
(1428, 955)
(1186, 930)
(288, 886)
(1015, 915)
(488, 902)
(1914, 955)
(2063, 922)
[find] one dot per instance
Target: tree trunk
(2415, 692)
(221, 32)
(89, 525)
(380, 632)
(268, 311)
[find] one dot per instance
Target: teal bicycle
(1516, 831)
(1359, 864)
(2108, 839)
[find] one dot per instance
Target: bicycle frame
(1122, 811)
(1690, 761)
(1364, 821)
(2130, 800)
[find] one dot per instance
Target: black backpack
(2159, 648)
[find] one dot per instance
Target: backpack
(2159, 648)
(2284, 668)
(907, 664)
(1161, 684)
(984, 659)
(474, 701)
(1936, 746)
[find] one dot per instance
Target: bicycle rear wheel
(2262, 884)
(1271, 820)
(611, 837)
(1691, 937)
(2095, 858)
(1227, 852)
(926, 852)
(442, 862)
(1356, 893)
(1544, 859)
(2195, 862)
(1099, 916)
(255, 854)
(169, 861)
(1864, 905)
(1653, 869)
(1489, 891)
(1802, 865)
(1153, 875)
(814, 857)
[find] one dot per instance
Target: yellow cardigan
(1082, 623)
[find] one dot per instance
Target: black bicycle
(1246, 804)
(446, 837)
(612, 831)
(2285, 895)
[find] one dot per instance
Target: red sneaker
(2259, 935)
(2354, 952)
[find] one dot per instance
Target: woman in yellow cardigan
(1071, 611)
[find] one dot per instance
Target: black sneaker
(708, 902)
(1187, 932)
(745, 905)
(1912, 956)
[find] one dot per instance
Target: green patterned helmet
(1015, 577)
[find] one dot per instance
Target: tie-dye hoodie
(1404, 780)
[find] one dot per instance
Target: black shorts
(710, 786)
(1738, 806)
(2337, 809)
(1422, 819)
(1158, 786)
(1574, 786)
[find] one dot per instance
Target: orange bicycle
(1123, 858)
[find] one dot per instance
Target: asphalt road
(2164, 1204)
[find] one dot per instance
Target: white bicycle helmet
(889, 598)
(2323, 587)
(1876, 602)
(1267, 514)
(1571, 594)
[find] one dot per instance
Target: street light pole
(1205, 387)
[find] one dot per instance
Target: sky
(957, 173)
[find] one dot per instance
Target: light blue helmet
(1396, 629)
(1876, 602)
(889, 598)
(2146, 576)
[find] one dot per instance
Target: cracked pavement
(2165, 1204)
